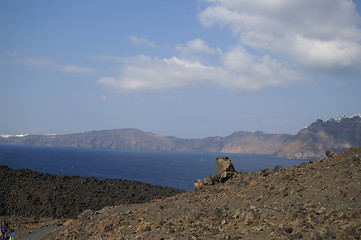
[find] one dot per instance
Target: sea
(164, 168)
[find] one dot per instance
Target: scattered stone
(278, 168)
(288, 229)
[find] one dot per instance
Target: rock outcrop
(224, 168)
(225, 171)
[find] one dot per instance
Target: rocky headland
(319, 199)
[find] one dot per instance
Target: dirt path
(38, 233)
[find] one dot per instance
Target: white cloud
(251, 72)
(141, 41)
(11, 53)
(108, 58)
(105, 98)
(142, 73)
(196, 46)
(283, 36)
(37, 62)
(76, 69)
(322, 35)
(51, 63)
(239, 72)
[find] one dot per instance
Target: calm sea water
(172, 169)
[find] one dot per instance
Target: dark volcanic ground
(30, 197)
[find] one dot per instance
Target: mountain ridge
(135, 139)
(337, 134)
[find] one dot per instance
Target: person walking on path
(4, 230)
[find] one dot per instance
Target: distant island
(337, 134)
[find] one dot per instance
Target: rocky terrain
(134, 139)
(28, 197)
(320, 199)
(337, 134)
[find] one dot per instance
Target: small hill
(337, 134)
(315, 200)
(28, 193)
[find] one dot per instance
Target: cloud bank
(320, 35)
(279, 42)
(239, 71)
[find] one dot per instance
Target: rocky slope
(238, 142)
(337, 134)
(31, 194)
(315, 200)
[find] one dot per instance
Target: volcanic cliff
(337, 134)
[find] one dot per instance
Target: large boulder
(330, 154)
(225, 168)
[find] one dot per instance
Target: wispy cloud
(37, 62)
(141, 41)
(76, 69)
(196, 46)
(51, 63)
(108, 58)
(320, 35)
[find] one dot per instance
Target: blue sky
(178, 68)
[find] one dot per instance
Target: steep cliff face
(238, 142)
(337, 134)
(254, 142)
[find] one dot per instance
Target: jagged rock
(225, 168)
(85, 215)
(198, 184)
(330, 154)
(278, 168)
(208, 181)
